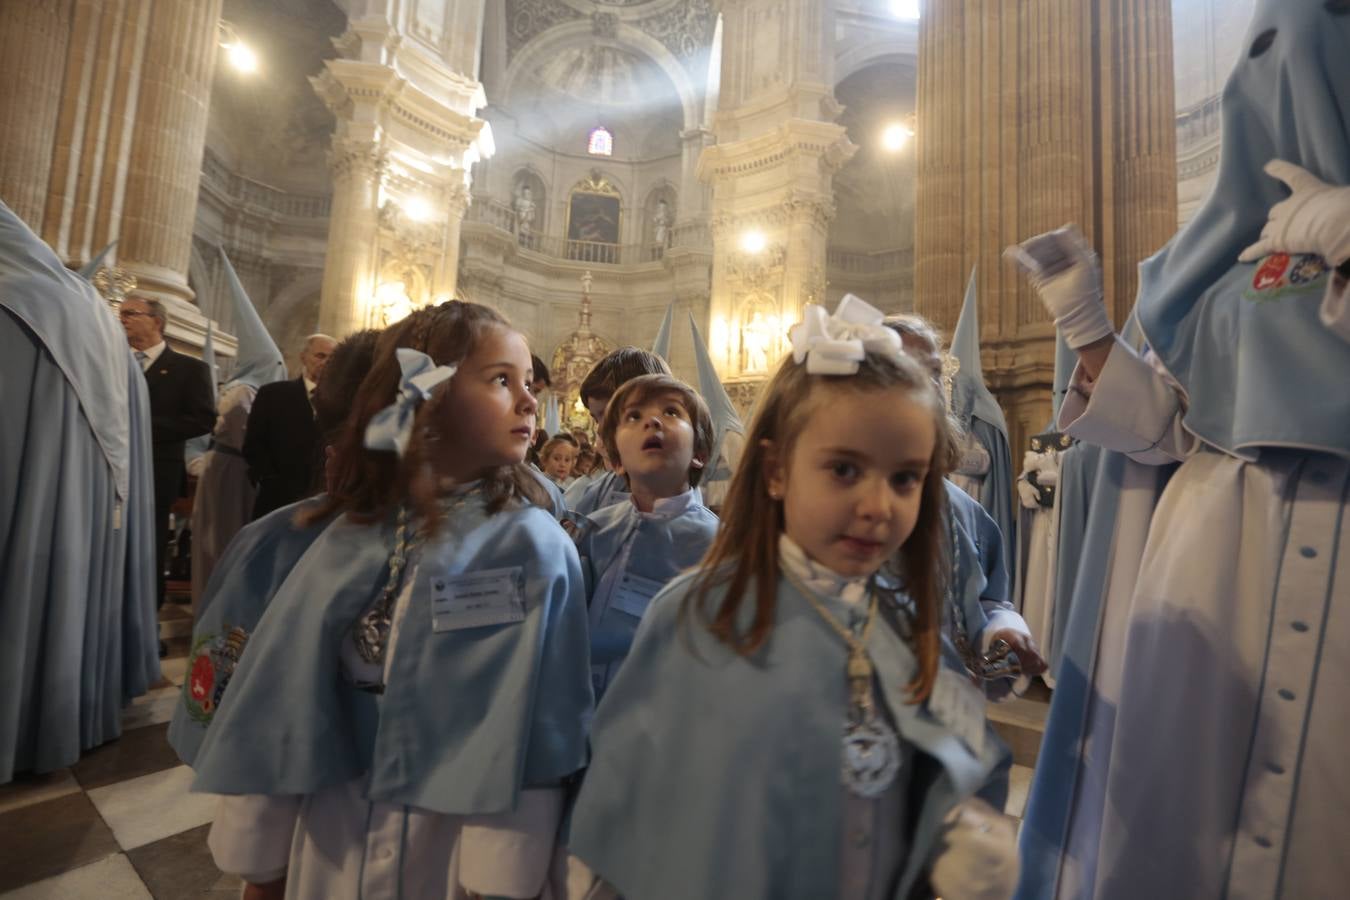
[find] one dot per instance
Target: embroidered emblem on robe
(1281, 275)
(214, 657)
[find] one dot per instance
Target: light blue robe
(1233, 642)
(1079, 727)
(249, 574)
(77, 535)
(718, 776)
(557, 506)
(658, 548)
(979, 590)
(975, 406)
(606, 489)
(467, 718)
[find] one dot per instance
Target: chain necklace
(371, 631)
(871, 750)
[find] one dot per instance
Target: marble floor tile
(174, 668)
(181, 866)
(137, 752)
(1019, 782)
(153, 708)
(111, 878)
(1024, 742)
(46, 839)
(153, 807)
(25, 790)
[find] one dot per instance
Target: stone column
(447, 268)
(771, 175)
(1032, 115)
(405, 94)
(166, 151)
(33, 39)
(349, 267)
(693, 193)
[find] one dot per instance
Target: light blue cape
(78, 329)
(1244, 339)
(662, 549)
(467, 719)
(243, 583)
(719, 776)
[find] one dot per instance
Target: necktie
(141, 359)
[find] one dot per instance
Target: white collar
(152, 354)
(821, 579)
(309, 385)
(669, 507)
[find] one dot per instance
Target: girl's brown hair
(745, 550)
(368, 484)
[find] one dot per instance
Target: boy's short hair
(540, 371)
(554, 443)
(641, 389)
(618, 367)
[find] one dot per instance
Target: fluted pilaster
(33, 39)
(1031, 115)
(353, 227)
(166, 150)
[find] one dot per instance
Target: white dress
(1225, 773)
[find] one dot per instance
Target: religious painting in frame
(593, 212)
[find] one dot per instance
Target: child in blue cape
(788, 725)
(418, 691)
(980, 611)
(605, 486)
(257, 561)
(659, 433)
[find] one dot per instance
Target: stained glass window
(601, 142)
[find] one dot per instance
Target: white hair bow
(391, 427)
(837, 344)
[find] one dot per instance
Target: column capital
(351, 157)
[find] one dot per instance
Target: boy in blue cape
(659, 433)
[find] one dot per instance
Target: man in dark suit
(181, 407)
(281, 444)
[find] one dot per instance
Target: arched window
(601, 142)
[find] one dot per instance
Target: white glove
(1315, 218)
(977, 859)
(1064, 270)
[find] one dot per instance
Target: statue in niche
(661, 224)
(755, 338)
(524, 208)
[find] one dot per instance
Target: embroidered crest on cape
(1281, 275)
(211, 665)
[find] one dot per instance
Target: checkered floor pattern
(121, 824)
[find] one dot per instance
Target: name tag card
(959, 706)
(635, 594)
(476, 599)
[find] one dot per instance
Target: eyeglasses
(125, 314)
